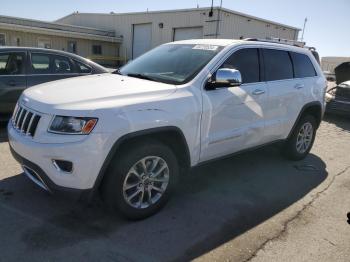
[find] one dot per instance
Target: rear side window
(278, 65)
(303, 67)
(40, 63)
(12, 63)
(247, 62)
(50, 64)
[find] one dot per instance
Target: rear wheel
(141, 180)
(300, 142)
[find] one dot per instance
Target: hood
(342, 72)
(94, 92)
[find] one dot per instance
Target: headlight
(72, 125)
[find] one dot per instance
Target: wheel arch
(312, 108)
(172, 136)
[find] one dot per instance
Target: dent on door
(233, 119)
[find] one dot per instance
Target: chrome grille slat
(25, 121)
(30, 124)
(19, 117)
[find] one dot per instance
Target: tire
(128, 169)
(292, 148)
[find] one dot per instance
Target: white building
(145, 30)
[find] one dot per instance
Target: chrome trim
(19, 125)
(30, 123)
(20, 115)
(39, 182)
(24, 120)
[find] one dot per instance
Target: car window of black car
(82, 68)
(62, 65)
(12, 63)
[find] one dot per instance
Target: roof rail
(278, 41)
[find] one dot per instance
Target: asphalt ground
(256, 206)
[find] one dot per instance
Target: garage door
(142, 39)
(188, 33)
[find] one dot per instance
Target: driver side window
(247, 62)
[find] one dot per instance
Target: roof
(36, 26)
(186, 10)
(231, 42)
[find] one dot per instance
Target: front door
(12, 79)
(233, 117)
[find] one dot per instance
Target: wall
(232, 26)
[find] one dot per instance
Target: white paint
(214, 123)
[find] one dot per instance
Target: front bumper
(36, 158)
(40, 178)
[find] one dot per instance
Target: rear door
(12, 79)
(45, 67)
(286, 97)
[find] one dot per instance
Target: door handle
(298, 86)
(258, 92)
(11, 83)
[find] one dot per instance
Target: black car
(22, 67)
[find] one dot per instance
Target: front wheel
(141, 180)
(301, 141)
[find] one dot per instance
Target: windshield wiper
(141, 76)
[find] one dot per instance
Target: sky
(327, 29)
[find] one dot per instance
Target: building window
(16, 41)
(72, 47)
(44, 43)
(2, 39)
(97, 50)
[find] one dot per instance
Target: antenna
(302, 36)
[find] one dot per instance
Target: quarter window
(247, 62)
(303, 67)
(62, 65)
(12, 64)
(278, 65)
(83, 69)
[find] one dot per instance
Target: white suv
(130, 134)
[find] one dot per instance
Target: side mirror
(225, 77)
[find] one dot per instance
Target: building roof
(36, 26)
(185, 10)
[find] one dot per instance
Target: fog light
(62, 165)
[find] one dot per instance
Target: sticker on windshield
(206, 47)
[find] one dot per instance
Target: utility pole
(302, 36)
(218, 21)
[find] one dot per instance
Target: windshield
(172, 63)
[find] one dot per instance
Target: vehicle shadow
(339, 120)
(214, 204)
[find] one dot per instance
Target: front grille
(25, 121)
